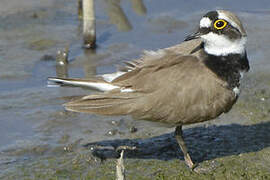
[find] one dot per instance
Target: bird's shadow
(204, 143)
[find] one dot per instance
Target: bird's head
(222, 33)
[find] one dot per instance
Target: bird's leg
(178, 135)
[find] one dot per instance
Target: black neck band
(228, 67)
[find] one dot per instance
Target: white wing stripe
(112, 76)
(95, 85)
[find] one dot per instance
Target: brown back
(173, 89)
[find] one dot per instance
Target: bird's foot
(189, 162)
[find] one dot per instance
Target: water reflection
(117, 15)
(89, 63)
(139, 7)
(62, 63)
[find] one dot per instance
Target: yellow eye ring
(220, 24)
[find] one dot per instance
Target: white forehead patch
(205, 22)
(222, 15)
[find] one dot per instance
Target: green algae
(81, 165)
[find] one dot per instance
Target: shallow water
(31, 32)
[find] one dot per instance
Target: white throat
(220, 45)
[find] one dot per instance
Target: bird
(191, 82)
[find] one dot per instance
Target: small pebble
(133, 129)
(47, 57)
(111, 132)
(68, 148)
(34, 15)
(115, 123)
(88, 131)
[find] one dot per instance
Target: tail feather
(103, 104)
(96, 84)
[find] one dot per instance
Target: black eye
(220, 24)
